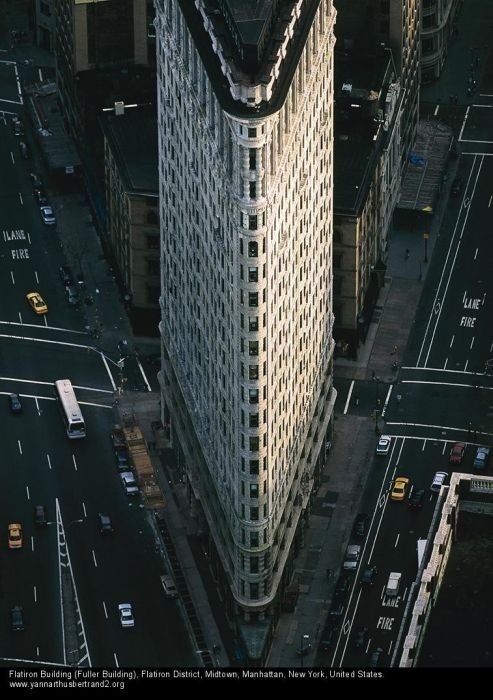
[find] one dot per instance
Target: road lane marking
(37, 405)
(436, 427)
(390, 647)
(75, 463)
(489, 203)
(35, 594)
(27, 493)
(464, 297)
(12, 276)
(20, 318)
(445, 363)
(35, 325)
(424, 446)
(476, 253)
(387, 399)
(368, 646)
(472, 343)
(32, 543)
(452, 341)
(143, 375)
(45, 320)
(116, 660)
(36, 275)
(49, 461)
(405, 594)
(105, 611)
(94, 559)
(445, 445)
(462, 386)
(84, 509)
(20, 446)
(351, 387)
(35, 381)
(397, 540)
(46, 340)
(108, 370)
(465, 366)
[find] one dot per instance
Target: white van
(392, 588)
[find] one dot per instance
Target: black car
(117, 437)
(40, 196)
(66, 275)
(25, 150)
(456, 188)
(18, 127)
(329, 638)
(40, 516)
(17, 619)
(105, 524)
(361, 525)
(122, 459)
(368, 576)
(72, 295)
(375, 657)
(360, 637)
(416, 499)
(343, 588)
(15, 404)
(36, 181)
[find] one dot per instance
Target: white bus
(69, 408)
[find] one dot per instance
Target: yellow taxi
(15, 535)
(36, 302)
(399, 488)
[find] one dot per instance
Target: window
(252, 371)
(153, 266)
(253, 539)
(253, 513)
(253, 490)
(152, 241)
(252, 249)
(252, 222)
(254, 465)
(252, 298)
(252, 157)
(254, 591)
(252, 347)
(253, 274)
(152, 217)
(252, 132)
(253, 395)
(253, 323)
(44, 8)
(253, 189)
(254, 565)
(253, 420)
(153, 292)
(254, 443)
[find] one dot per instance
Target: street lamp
(304, 646)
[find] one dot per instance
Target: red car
(457, 453)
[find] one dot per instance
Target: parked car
(117, 437)
(35, 180)
(40, 516)
(126, 615)
(456, 188)
(368, 576)
(416, 499)
(438, 481)
(15, 535)
(37, 303)
(48, 215)
(352, 557)
(457, 453)
(16, 619)
(360, 637)
(18, 127)
(169, 585)
(105, 524)
(375, 657)
(66, 275)
(129, 484)
(72, 294)
(482, 458)
(25, 150)
(15, 404)
(383, 445)
(361, 525)
(122, 457)
(399, 489)
(342, 589)
(329, 637)
(40, 195)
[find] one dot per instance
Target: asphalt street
(74, 479)
(441, 394)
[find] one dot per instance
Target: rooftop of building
(260, 43)
(361, 84)
(134, 142)
(459, 628)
